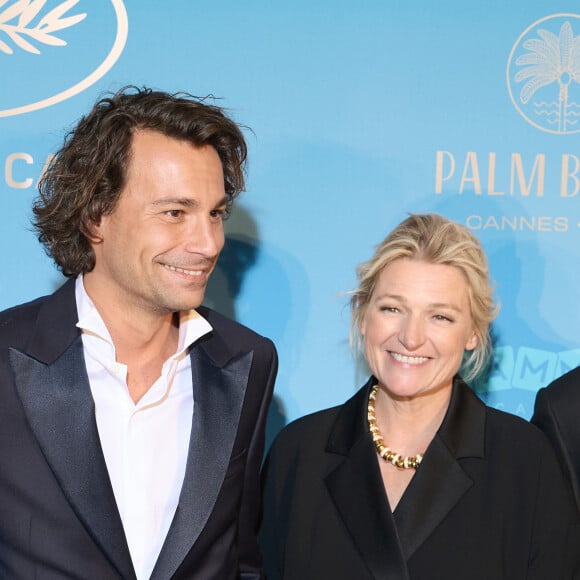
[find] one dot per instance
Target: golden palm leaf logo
(543, 74)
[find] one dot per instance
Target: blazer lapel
(219, 387)
(440, 482)
(357, 491)
(53, 386)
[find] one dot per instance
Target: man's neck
(143, 339)
(143, 351)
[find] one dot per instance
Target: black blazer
(58, 517)
(489, 501)
(557, 413)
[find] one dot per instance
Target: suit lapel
(440, 482)
(357, 491)
(52, 384)
(556, 413)
(434, 490)
(219, 387)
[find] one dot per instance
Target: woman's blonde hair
(434, 239)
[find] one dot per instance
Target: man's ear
(92, 231)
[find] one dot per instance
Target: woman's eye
(442, 317)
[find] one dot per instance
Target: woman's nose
(412, 333)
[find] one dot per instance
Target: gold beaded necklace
(396, 459)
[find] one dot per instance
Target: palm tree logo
(544, 74)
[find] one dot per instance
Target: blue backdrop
(360, 113)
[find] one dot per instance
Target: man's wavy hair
(85, 178)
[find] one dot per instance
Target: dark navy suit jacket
(58, 516)
(557, 413)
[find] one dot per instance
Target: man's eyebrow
(186, 201)
(222, 202)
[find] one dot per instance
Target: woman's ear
(362, 326)
(472, 341)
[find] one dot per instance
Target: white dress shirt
(145, 444)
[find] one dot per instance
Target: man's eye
(174, 213)
(218, 214)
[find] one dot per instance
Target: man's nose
(205, 237)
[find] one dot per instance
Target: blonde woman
(414, 477)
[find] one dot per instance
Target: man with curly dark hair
(132, 417)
